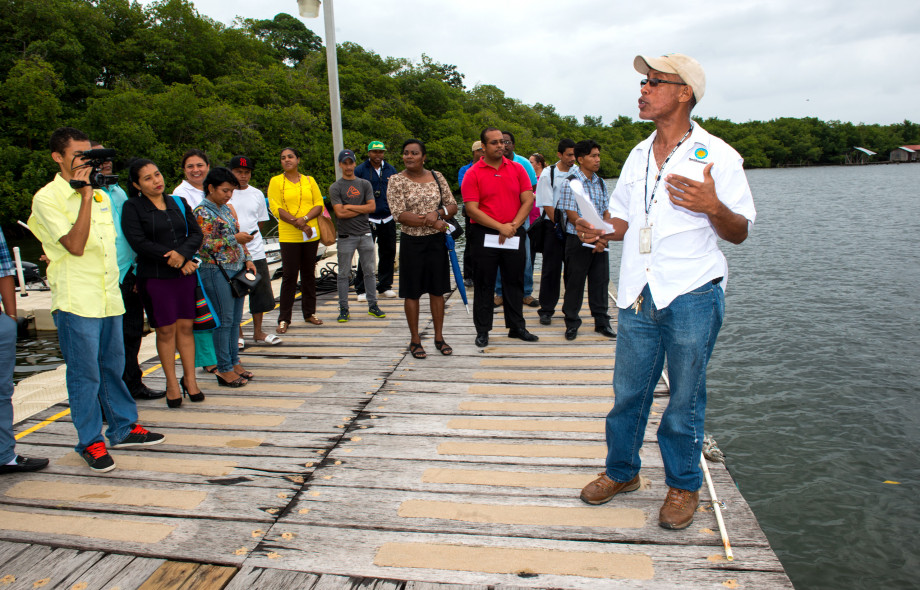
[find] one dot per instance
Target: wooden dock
(346, 463)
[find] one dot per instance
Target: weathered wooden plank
(208, 577)
(630, 518)
(413, 585)
(222, 542)
(421, 403)
(92, 493)
(46, 567)
(134, 574)
(249, 578)
(520, 451)
(171, 575)
(467, 375)
(8, 551)
(346, 551)
(98, 573)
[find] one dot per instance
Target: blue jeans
(230, 311)
(684, 333)
(94, 351)
(346, 252)
(7, 365)
(528, 268)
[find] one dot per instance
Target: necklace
(300, 183)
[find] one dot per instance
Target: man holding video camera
(72, 218)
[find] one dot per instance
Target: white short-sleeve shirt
(685, 253)
(250, 210)
(192, 195)
(548, 193)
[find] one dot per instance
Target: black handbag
(537, 232)
(243, 282)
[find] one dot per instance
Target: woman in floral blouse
(222, 246)
(421, 200)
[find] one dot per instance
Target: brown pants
(298, 259)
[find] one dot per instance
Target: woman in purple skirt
(165, 235)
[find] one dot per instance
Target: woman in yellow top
(296, 201)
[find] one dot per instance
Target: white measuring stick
(22, 280)
(717, 509)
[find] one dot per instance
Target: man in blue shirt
(529, 299)
(478, 152)
(581, 262)
(383, 227)
(133, 320)
(10, 462)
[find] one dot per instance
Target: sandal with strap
(212, 370)
(417, 351)
(246, 375)
(443, 347)
(315, 320)
(282, 327)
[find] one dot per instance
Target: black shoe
(546, 320)
(195, 397)
(144, 392)
(605, 331)
(523, 334)
(98, 458)
(482, 340)
(571, 333)
(24, 464)
(139, 437)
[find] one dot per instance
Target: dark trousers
(553, 256)
(488, 262)
(583, 263)
(133, 327)
(385, 236)
(298, 259)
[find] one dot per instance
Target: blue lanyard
(648, 160)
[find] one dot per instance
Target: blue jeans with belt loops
(684, 333)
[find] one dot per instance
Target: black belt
(717, 281)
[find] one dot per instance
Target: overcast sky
(833, 59)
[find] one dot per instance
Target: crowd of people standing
(680, 190)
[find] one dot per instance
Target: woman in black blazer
(166, 239)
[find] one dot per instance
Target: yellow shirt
(84, 285)
(297, 199)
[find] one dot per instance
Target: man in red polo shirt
(498, 196)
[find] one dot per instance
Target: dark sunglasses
(654, 82)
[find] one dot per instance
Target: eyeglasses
(654, 82)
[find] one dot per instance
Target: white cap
(689, 70)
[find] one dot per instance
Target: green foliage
(156, 79)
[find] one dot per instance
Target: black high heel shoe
(174, 403)
(192, 397)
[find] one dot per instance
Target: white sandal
(271, 339)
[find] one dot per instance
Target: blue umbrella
(458, 274)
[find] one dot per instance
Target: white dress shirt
(684, 252)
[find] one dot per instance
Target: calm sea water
(813, 384)
(814, 381)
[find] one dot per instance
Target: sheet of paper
(587, 208)
(491, 241)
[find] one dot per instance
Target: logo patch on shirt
(353, 192)
(700, 154)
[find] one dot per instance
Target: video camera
(95, 159)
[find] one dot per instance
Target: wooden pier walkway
(346, 463)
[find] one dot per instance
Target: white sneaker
(362, 297)
(390, 293)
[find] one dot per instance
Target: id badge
(645, 240)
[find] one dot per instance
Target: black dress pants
(488, 261)
(385, 236)
(133, 327)
(550, 284)
(583, 263)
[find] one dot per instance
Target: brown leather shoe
(677, 511)
(498, 301)
(603, 489)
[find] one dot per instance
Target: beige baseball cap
(477, 145)
(689, 70)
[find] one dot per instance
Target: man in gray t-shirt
(352, 200)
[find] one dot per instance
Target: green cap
(375, 145)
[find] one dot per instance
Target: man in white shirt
(549, 191)
(679, 191)
(251, 211)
